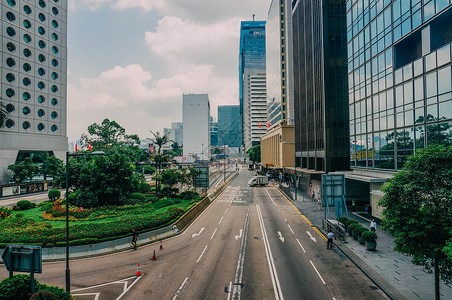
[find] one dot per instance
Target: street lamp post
(68, 272)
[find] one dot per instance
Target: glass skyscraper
(399, 74)
(251, 57)
(229, 126)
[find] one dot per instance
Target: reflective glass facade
(320, 85)
(399, 74)
(229, 126)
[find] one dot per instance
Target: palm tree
(160, 141)
(3, 114)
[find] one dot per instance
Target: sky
(131, 60)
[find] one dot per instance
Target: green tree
(55, 167)
(159, 158)
(170, 177)
(24, 169)
(176, 149)
(217, 150)
(103, 180)
(418, 210)
(255, 153)
(107, 135)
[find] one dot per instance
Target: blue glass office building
(251, 53)
(229, 126)
(399, 74)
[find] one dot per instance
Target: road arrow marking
(197, 234)
(240, 235)
(280, 236)
(312, 238)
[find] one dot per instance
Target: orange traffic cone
(138, 270)
(161, 245)
(153, 257)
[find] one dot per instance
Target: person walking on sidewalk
(313, 195)
(319, 203)
(329, 243)
(134, 239)
(373, 225)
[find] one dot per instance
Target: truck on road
(258, 180)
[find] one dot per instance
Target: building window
(54, 75)
(54, 62)
(54, 101)
(10, 31)
(42, 3)
(41, 30)
(26, 125)
(26, 67)
(10, 16)
(55, 11)
(10, 93)
(27, 9)
(41, 85)
(10, 77)
(26, 110)
(55, 23)
(41, 127)
(9, 123)
(54, 115)
(11, 47)
(11, 2)
(26, 81)
(10, 108)
(41, 99)
(42, 17)
(41, 72)
(27, 52)
(54, 88)
(27, 38)
(42, 44)
(55, 49)
(54, 36)
(54, 128)
(26, 96)
(41, 58)
(41, 113)
(27, 24)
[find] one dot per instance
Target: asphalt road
(250, 243)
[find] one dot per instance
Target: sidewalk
(391, 271)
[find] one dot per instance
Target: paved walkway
(391, 270)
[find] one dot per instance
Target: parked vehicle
(258, 180)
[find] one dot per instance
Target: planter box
(355, 235)
(361, 240)
(371, 246)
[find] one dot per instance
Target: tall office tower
(399, 74)
(254, 109)
(320, 85)
(196, 123)
(251, 57)
(213, 132)
(33, 81)
(177, 132)
(229, 126)
(279, 62)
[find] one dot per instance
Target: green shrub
(132, 201)
(165, 202)
(175, 212)
(24, 205)
(189, 195)
(60, 293)
(5, 212)
(43, 206)
(152, 198)
(353, 226)
(360, 230)
(138, 196)
(81, 214)
(43, 295)
(369, 236)
(144, 187)
(54, 194)
(343, 220)
(16, 288)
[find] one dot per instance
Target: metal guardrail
(336, 227)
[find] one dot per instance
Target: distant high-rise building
(229, 126)
(33, 81)
(177, 132)
(213, 132)
(279, 62)
(254, 109)
(251, 60)
(196, 123)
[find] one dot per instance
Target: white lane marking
(96, 295)
(270, 197)
(197, 234)
(241, 260)
(220, 220)
(180, 288)
(213, 233)
(205, 248)
(290, 229)
(219, 181)
(317, 272)
(301, 246)
(312, 237)
(129, 287)
(271, 264)
(230, 288)
(226, 210)
(123, 281)
(240, 235)
(280, 236)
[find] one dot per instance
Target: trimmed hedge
(18, 288)
(24, 205)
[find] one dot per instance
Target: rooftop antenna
(253, 17)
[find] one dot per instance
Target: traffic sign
(23, 258)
